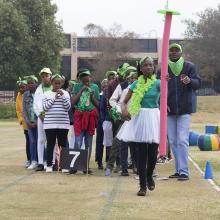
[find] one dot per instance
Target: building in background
(79, 50)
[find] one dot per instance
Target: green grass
(7, 111)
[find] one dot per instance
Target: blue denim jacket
(28, 111)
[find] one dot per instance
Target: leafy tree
(112, 44)
(37, 37)
(202, 44)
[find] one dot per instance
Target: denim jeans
(87, 139)
(178, 135)
(32, 133)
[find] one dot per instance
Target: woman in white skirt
(142, 123)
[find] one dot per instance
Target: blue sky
(139, 16)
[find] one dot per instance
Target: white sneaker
(32, 166)
(49, 169)
(65, 171)
(28, 163)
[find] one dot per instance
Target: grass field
(29, 195)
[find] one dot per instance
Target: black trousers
(99, 144)
(52, 135)
(147, 155)
(28, 154)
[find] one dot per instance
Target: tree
(33, 24)
(202, 44)
(14, 40)
(112, 44)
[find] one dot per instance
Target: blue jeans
(87, 139)
(178, 135)
(32, 133)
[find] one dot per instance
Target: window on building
(66, 66)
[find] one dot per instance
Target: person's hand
(91, 93)
(84, 88)
(126, 115)
(59, 93)
(185, 79)
(41, 117)
(167, 77)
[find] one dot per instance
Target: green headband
(56, 76)
(20, 81)
(175, 45)
(104, 81)
(72, 82)
(131, 74)
(31, 77)
(86, 72)
(142, 60)
(110, 73)
(122, 69)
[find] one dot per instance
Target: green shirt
(151, 97)
(77, 87)
(46, 88)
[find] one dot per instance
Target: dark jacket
(181, 98)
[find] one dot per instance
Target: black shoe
(117, 169)
(130, 166)
(183, 177)
(175, 175)
(124, 173)
(72, 171)
(100, 167)
(89, 171)
(150, 183)
(40, 167)
(141, 192)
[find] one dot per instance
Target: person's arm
(66, 101)
(38, 101)
(25, 110)
(94, 97)
(195, 80)
(47, 102)
(75, 98)
(115, 96)
(192, 79)
(124, 109)
(19, 109)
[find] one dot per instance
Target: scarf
(138, 93)
(176, 67)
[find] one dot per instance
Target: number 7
(75, 155)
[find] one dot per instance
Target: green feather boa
(138, 93)
(84, 100)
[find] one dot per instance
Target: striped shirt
(56, 110)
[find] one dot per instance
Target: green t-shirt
(77, 87)
(151, 97)
(46, 88)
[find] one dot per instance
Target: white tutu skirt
(108, 133)
(143, 128)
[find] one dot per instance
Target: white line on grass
(214, 185)
(107, 207)
(16, 181)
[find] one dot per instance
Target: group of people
(123, 112)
